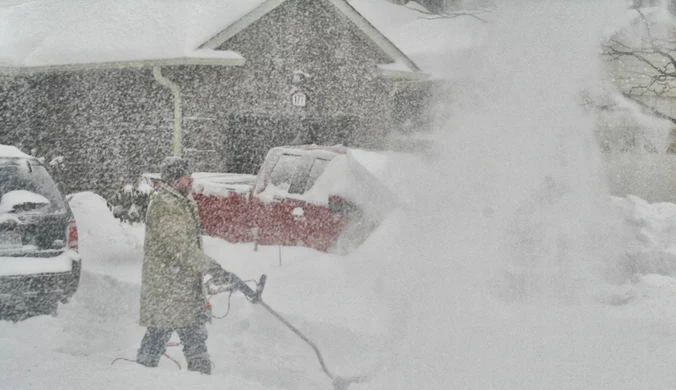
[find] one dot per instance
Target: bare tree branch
(650, 109)
(656, 53)
(450, 15)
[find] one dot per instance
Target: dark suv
(39, 260)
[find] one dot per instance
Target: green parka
(172, 293)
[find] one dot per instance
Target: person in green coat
(174, 265)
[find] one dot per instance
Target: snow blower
(254, 296)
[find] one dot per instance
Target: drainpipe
(178, 114)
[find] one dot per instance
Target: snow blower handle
(254, 295)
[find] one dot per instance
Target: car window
(284, 171)
(318, 166)
(34, 179)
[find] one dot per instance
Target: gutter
(178, 113)
(402, 74)
(208, 59)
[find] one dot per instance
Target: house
(114, 86)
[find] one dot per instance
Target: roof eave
(241, 24)
(207, 61)
(402, 74)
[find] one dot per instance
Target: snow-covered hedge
(130, 203)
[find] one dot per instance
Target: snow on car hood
(17, 197)
(346, 177)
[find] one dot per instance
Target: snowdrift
(652, 232)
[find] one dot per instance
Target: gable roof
(343, 6)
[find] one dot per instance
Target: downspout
(178, 114)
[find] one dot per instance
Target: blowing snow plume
(509, 227)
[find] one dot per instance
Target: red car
(314, 196)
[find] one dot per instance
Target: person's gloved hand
(221, 277)
(236, 282)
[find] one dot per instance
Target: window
(34, 179)
(318, 167)
(284, 171)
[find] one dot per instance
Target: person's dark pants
(193, 339)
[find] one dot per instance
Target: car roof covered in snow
(7, 151)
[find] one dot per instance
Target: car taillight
(72, 235)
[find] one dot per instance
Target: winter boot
(200, 364)
(148, 361)
(153, 346)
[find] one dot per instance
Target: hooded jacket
(174, 264)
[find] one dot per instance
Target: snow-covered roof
(410, 69)
(131, 33)
(434, 44)
(46, 32)
(7, 151)
(413, 39)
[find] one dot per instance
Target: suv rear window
(33, 178)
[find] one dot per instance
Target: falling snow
(442, 194)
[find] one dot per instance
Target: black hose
(339, 383)
(302, 336)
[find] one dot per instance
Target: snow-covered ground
(625, 341)
(249, 347)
